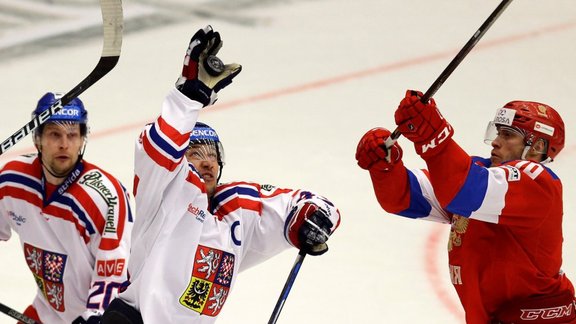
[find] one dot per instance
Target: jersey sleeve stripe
(194, 178)
(127, 198)
(472, 193)
(237, 203)
(28, 165)
(231, 197)
(239, 190)
(419, 207)
(82, 198)
(164, 145)
(495, 199)
(157, 156)
(53, 210)
(21, 179)
(78, 211)
(20, 193)
(172, 133)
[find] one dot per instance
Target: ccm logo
(546, 313)
(110, 268)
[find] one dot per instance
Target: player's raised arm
(161, 146)
(401, 191)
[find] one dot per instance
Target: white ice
(317, 75)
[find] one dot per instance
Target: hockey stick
(112, 19)
(16, 315)
(287, 287)
(455, 62)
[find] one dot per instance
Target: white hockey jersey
(185, 259)
(76, 242)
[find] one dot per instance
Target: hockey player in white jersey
(186, 254)
(73, 220)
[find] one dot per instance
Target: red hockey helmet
(536, 121)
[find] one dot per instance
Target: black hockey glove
(118, 312)
(198, 80)
(314, 233)
(309, 228)
(91, 320)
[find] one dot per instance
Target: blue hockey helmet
(206, 145)
(202, 134)
(72, 112)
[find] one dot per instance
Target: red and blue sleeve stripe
(164, 145)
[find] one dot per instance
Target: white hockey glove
(310, 226)
(198, 80)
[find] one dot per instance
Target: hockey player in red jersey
(192, 237)
(73, 220)
(505, 244)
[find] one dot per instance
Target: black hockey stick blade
(287, 287)
(456, 61)
(113, 24)
(16, 315)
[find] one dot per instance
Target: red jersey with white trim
(505, 241)
(76, 241)
(185, 259)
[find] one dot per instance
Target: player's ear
(539, 148)
(36, 141)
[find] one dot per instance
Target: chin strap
(525, 152)
(528, 146)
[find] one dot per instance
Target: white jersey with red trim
(76, 242)
(185, 259)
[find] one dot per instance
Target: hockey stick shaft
(16, 315)
(112, 19)
(287, 287)
(456, 61)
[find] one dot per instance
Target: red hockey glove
(372, 154)
(309, 227)
(195, 82)
(422, 124)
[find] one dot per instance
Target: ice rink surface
(316, 75)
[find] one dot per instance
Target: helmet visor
(493, 130)
(205, 150)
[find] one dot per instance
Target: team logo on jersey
(459, 227)
(267, 187)
(48, 270)
(210, 283)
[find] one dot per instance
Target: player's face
(508, 145)
(204, 157)
(60, 145)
